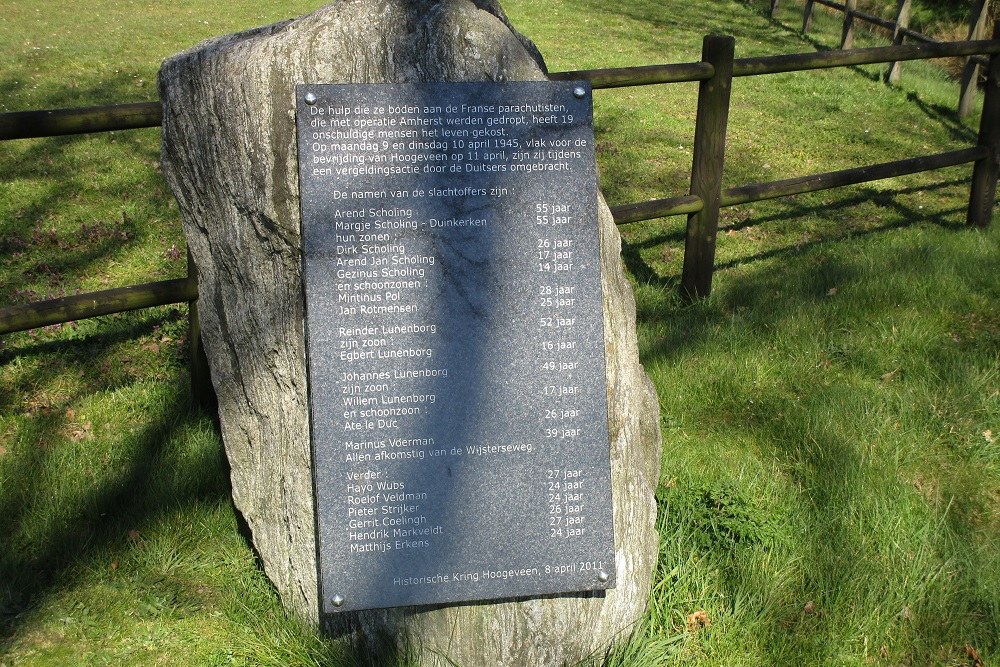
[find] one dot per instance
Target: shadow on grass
(65, 215)
(670, 21)
(100, 513)
(81, 350)
(899, 216)
(849, 559)
(38, 247)
(857, 561)
(52, 532)
(946, 116)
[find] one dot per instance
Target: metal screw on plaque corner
(603, 577)
(311, 99)
(337, 600)
(579, 92)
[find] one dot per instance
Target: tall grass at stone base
(830, 490)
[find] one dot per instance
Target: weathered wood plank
(847, 34)
(707, 166)
(983, 193)
(106, 302)
(56, 122)
(807, 16)
(656, 208)
(901, 24)
(638, 76)
(835, 179)
(970, 74)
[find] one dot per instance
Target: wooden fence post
(970, 75)
(707, 165)
(774, 8)
(902, 22)
(202, 392)
(807, 17)
(982, 196)
(847, 35)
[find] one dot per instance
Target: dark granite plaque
(455, 342)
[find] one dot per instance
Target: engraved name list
(455, 342)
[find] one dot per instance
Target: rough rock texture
(229, 154)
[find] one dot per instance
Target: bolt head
(310, 98)
(579, 92)
(337, 600)
(603, 576)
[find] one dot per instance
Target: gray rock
(229, 155)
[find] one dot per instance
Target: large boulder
(229, 154)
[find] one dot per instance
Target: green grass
(831, 414)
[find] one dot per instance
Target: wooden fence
(900, 30)
(715, 72)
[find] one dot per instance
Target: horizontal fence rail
(746, 194)
(657, 208)
(797, 62)
(106, 302)
(58, 122)
(646, 75)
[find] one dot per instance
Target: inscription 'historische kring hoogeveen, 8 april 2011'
(455, 342)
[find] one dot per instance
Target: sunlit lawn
(831, 474)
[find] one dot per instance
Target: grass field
(831, 414)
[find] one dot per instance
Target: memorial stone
(230, 157)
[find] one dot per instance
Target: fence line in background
(901, 24)
(714, 74)
(798, 62)
(970, 74)
(900, 30)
